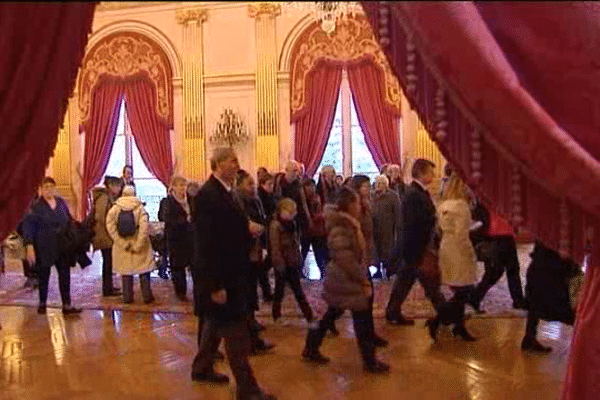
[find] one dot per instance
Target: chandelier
(230, 129)
(326, 12)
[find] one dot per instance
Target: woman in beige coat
(132, 255)
(457, 260)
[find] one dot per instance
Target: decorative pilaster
(193, 92)
(267, 132)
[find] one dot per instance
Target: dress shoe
(314, 356)
(212, 377)
(433, 324)
(257, 396)
(70, 310)
(41, 309)
(377, 367)
(398, 320)
(460, 330)
(378, 341)
(519, 305)
(257, 326)
(261, 347)
(532, 344)
(112, 293)
(331, 328)
(149, 301)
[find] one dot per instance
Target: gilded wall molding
(123, 55)
(352, 39)
(197, 15)
(121, 5)
(264, 9)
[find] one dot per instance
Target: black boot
(313, 343)
(306, 311)
(531, 344)
(367, 348)
(433, 324)
(276, 310)
(377, 340)
(460, 330)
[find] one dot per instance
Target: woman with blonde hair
(457, 260)
(180, 234)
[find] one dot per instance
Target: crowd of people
(235, 230)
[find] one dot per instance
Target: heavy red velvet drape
(509, 91)
(377, 120)
(100, 131)
(150, 132)
(41, 47)
(314, 122)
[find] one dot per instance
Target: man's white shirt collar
(225, 185)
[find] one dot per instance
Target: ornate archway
(352, 39)
(121, 55)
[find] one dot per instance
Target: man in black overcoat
(419, 219)
(222, 272)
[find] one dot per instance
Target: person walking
(386, 224)
(222, 273)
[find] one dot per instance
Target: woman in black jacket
(49, 216)
(180, 234)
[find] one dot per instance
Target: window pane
(150, 191)
(116, 160)
(333, 150)
(139, 168)
(362, 160)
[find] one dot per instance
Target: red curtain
(100, 130)
(376, 118)
(150, 132)
(314, 122)
(42, 45)
(509, 91)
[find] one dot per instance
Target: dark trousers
(362, 329)
(107, 271)
(237, 343)
(320, 250)
(263, 278)
(64, 282)
(503, 258)
(144, 284)
(179, 263)
(531, 326)
(405, 279)
(29, 270)
(290, 276)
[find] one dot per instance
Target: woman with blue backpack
(127, 225)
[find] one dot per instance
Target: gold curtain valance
(352, 39)
(122, 55)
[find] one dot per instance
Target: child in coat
(286, 258)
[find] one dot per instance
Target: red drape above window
(151, 133)
(313, 124)
(509, 91)
(377, 120)
(41, 48)
(100, 131)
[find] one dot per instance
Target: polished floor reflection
(133, 355)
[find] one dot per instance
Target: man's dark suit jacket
(222, 253)
(418, 222)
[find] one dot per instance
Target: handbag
(430, 267)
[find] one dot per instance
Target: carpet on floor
(86, 292)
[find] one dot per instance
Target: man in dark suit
(419, 219)
(222, 273)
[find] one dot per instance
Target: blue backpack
(126, 224)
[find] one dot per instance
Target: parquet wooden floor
(134, 355)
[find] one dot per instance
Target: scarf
(185, 205)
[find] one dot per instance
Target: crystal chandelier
(326, 12)
(230, 129)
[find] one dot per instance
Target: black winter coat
(222, 251)
(180, 233)
(547, 289)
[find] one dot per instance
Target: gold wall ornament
(124, 54)
(352, 40)
(268, 9)
(198, 15)
(229, 129)
(191, 21)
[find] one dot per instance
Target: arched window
(125, 152)
(346, 149)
